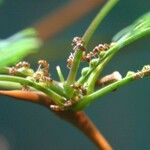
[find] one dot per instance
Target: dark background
(122, 116)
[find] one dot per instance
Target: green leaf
(16, 47)
(140, 25)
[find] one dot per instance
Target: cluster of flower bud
(21, 67)
(80, 89)
(77, 44)
(95, 52)
(42, 73)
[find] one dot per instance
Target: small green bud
(84, 71)
(130, 73)
(26, 71)
(93, 62)
(102, 53)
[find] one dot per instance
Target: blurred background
(122, 116)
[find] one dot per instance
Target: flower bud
(84, 71)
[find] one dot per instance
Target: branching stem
(85, 101)
(56, 98)
(87, 36)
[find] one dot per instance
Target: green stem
(86, 38)
(5, 70)
(54, 96)
(109, 55)
(87, 100)
(102, 63)
(59, 72)
(57, 87)
(74, 69)
(98, 19)
(12, 85)
(95, 74)
(124, 42)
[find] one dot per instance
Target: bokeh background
(122, 116)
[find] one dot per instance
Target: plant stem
(123, 43)
(84, 78)
(97, 20)
(86, 38)
(54, 96)
(12, 85)
(83, 122)
(109, 55)
(95, 74)
(59, 72)
(28, 96)
(85, 101)
(73, 71)
(5, 70)
(78, 119)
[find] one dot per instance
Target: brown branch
(64, 16)
(108, 79)
(34, 97)
(84, 123)
(78, 119)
